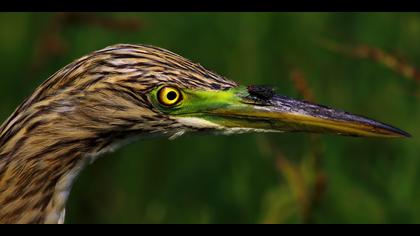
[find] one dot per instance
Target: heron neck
(37, 169)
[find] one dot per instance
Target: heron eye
(169, 96)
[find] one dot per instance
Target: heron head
(148, 90)
(131, 90)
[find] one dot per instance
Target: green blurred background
(252, 178)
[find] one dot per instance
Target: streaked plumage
(87, 108)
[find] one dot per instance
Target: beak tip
(406, 135)
(398, 133)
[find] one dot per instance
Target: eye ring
(169, 96)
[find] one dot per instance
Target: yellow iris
(169, 96)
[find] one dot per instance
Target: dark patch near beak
(264, 93)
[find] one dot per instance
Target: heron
(122, 92)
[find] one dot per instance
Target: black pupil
(171, 95)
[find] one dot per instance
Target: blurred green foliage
(253, 178)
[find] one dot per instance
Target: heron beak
(260, 108)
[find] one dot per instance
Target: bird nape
(124, 91)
